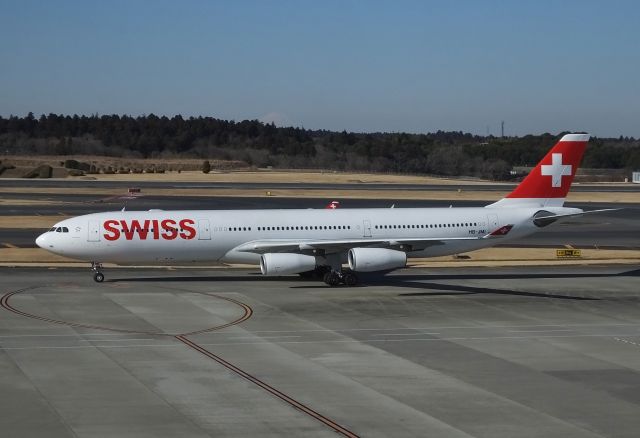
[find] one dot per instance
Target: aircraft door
(94, 231)
(366, 228)
(204, 229)
(493, 222)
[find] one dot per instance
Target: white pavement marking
(333, 341)
(541, 330)
(402, 334)
(627, 342)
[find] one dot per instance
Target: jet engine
(375, 259)
(286, 263)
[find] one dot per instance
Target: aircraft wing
(333, 246)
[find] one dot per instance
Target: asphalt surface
(490, 352)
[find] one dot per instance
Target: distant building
(636, 177)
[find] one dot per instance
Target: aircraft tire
(98, 277)
(350, 279)
(332, 279)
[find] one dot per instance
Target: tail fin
(549, 182)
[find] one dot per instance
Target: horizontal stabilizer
(560, 216)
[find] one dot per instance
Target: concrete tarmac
(490, 352)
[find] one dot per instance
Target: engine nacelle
(286, 263)
(375, 259)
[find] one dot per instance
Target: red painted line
(270, 389)
(4, 302)
(247, 313)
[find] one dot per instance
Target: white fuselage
(165, 237)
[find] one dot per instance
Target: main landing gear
(334, 278)
(335, 275)
(98, 276)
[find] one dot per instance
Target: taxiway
(490, 352)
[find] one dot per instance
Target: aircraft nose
(41, 241)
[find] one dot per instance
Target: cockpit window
(65, 229)
(52, 229)
(59, 230)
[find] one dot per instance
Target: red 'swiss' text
(166, 229)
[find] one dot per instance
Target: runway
(482, 352)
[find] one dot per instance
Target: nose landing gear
(98, 276)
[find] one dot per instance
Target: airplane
(333, 205)
(320, 241)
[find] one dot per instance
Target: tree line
(263, 144)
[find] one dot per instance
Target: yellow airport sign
(568, 253)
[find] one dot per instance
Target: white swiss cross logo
(556, 170)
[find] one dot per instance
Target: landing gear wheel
(98, 276)
(332, 279)
(350, 279)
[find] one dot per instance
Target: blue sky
(415, 66)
